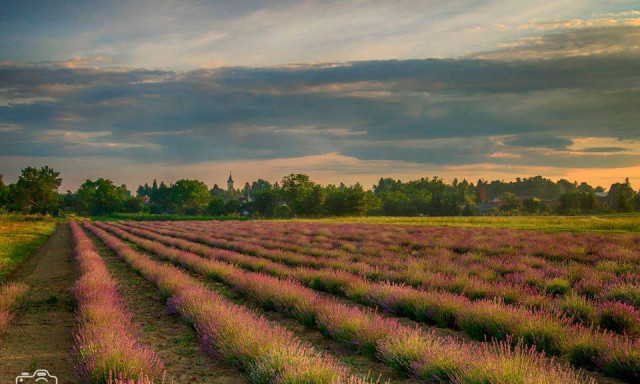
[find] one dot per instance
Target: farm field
(620, 223)
(19, 237)
(312, 302)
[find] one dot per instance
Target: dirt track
(40, 337)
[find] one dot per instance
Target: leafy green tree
(294, 186)
(265, 202)
(246, 192)
(397, 203)
(232, 207)
(311, 204)
(36, 191)
(509, 202)
(100, 197)
(636, 202)
(625, 204)
(335, 202)
(217, 206)
(532, 205)
(566, 185)
(386, 185)
(577, 202)
(260, 185)
(189, 197)
(160, 198)
(144, 190)
(303, 195)
(346, 201)
(218, 192)
(588, 201)
(4, 193)
(536, 186)
(621, 196)
(134, 205)
(283, 211)
(425, 196)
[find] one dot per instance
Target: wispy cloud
(590, 41)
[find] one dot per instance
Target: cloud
(605, 149)
(189, 34)
(508, 109)
(539, 142)
(576, 40)
(619, 19)
(429, 111)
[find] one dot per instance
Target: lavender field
(290, 302)
(425, 304)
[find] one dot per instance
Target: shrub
(626, 293)
(612, 266)
(589, 288)
(578, 308)
(619, 317)
(585, 349)
(486, 319)
(557, 286)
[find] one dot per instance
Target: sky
(345, 91)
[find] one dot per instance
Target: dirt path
(40, 337)
(170, 337)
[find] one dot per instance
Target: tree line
(296, 195)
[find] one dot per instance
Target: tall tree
(347, 201)
(4, 193)
(302, 195)
(189, 197)
(509, 202)
(218, 192)
(36, 191)
(101, 197)
(265, 202)
(620, 196)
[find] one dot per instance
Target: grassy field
(19, 236)
(629, 223)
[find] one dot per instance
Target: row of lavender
(420, 354)
(583, 247)
(513, 277)
(617, 356)
(607, 312)
(267, 353)
(106, 347)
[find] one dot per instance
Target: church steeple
(230, 183)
